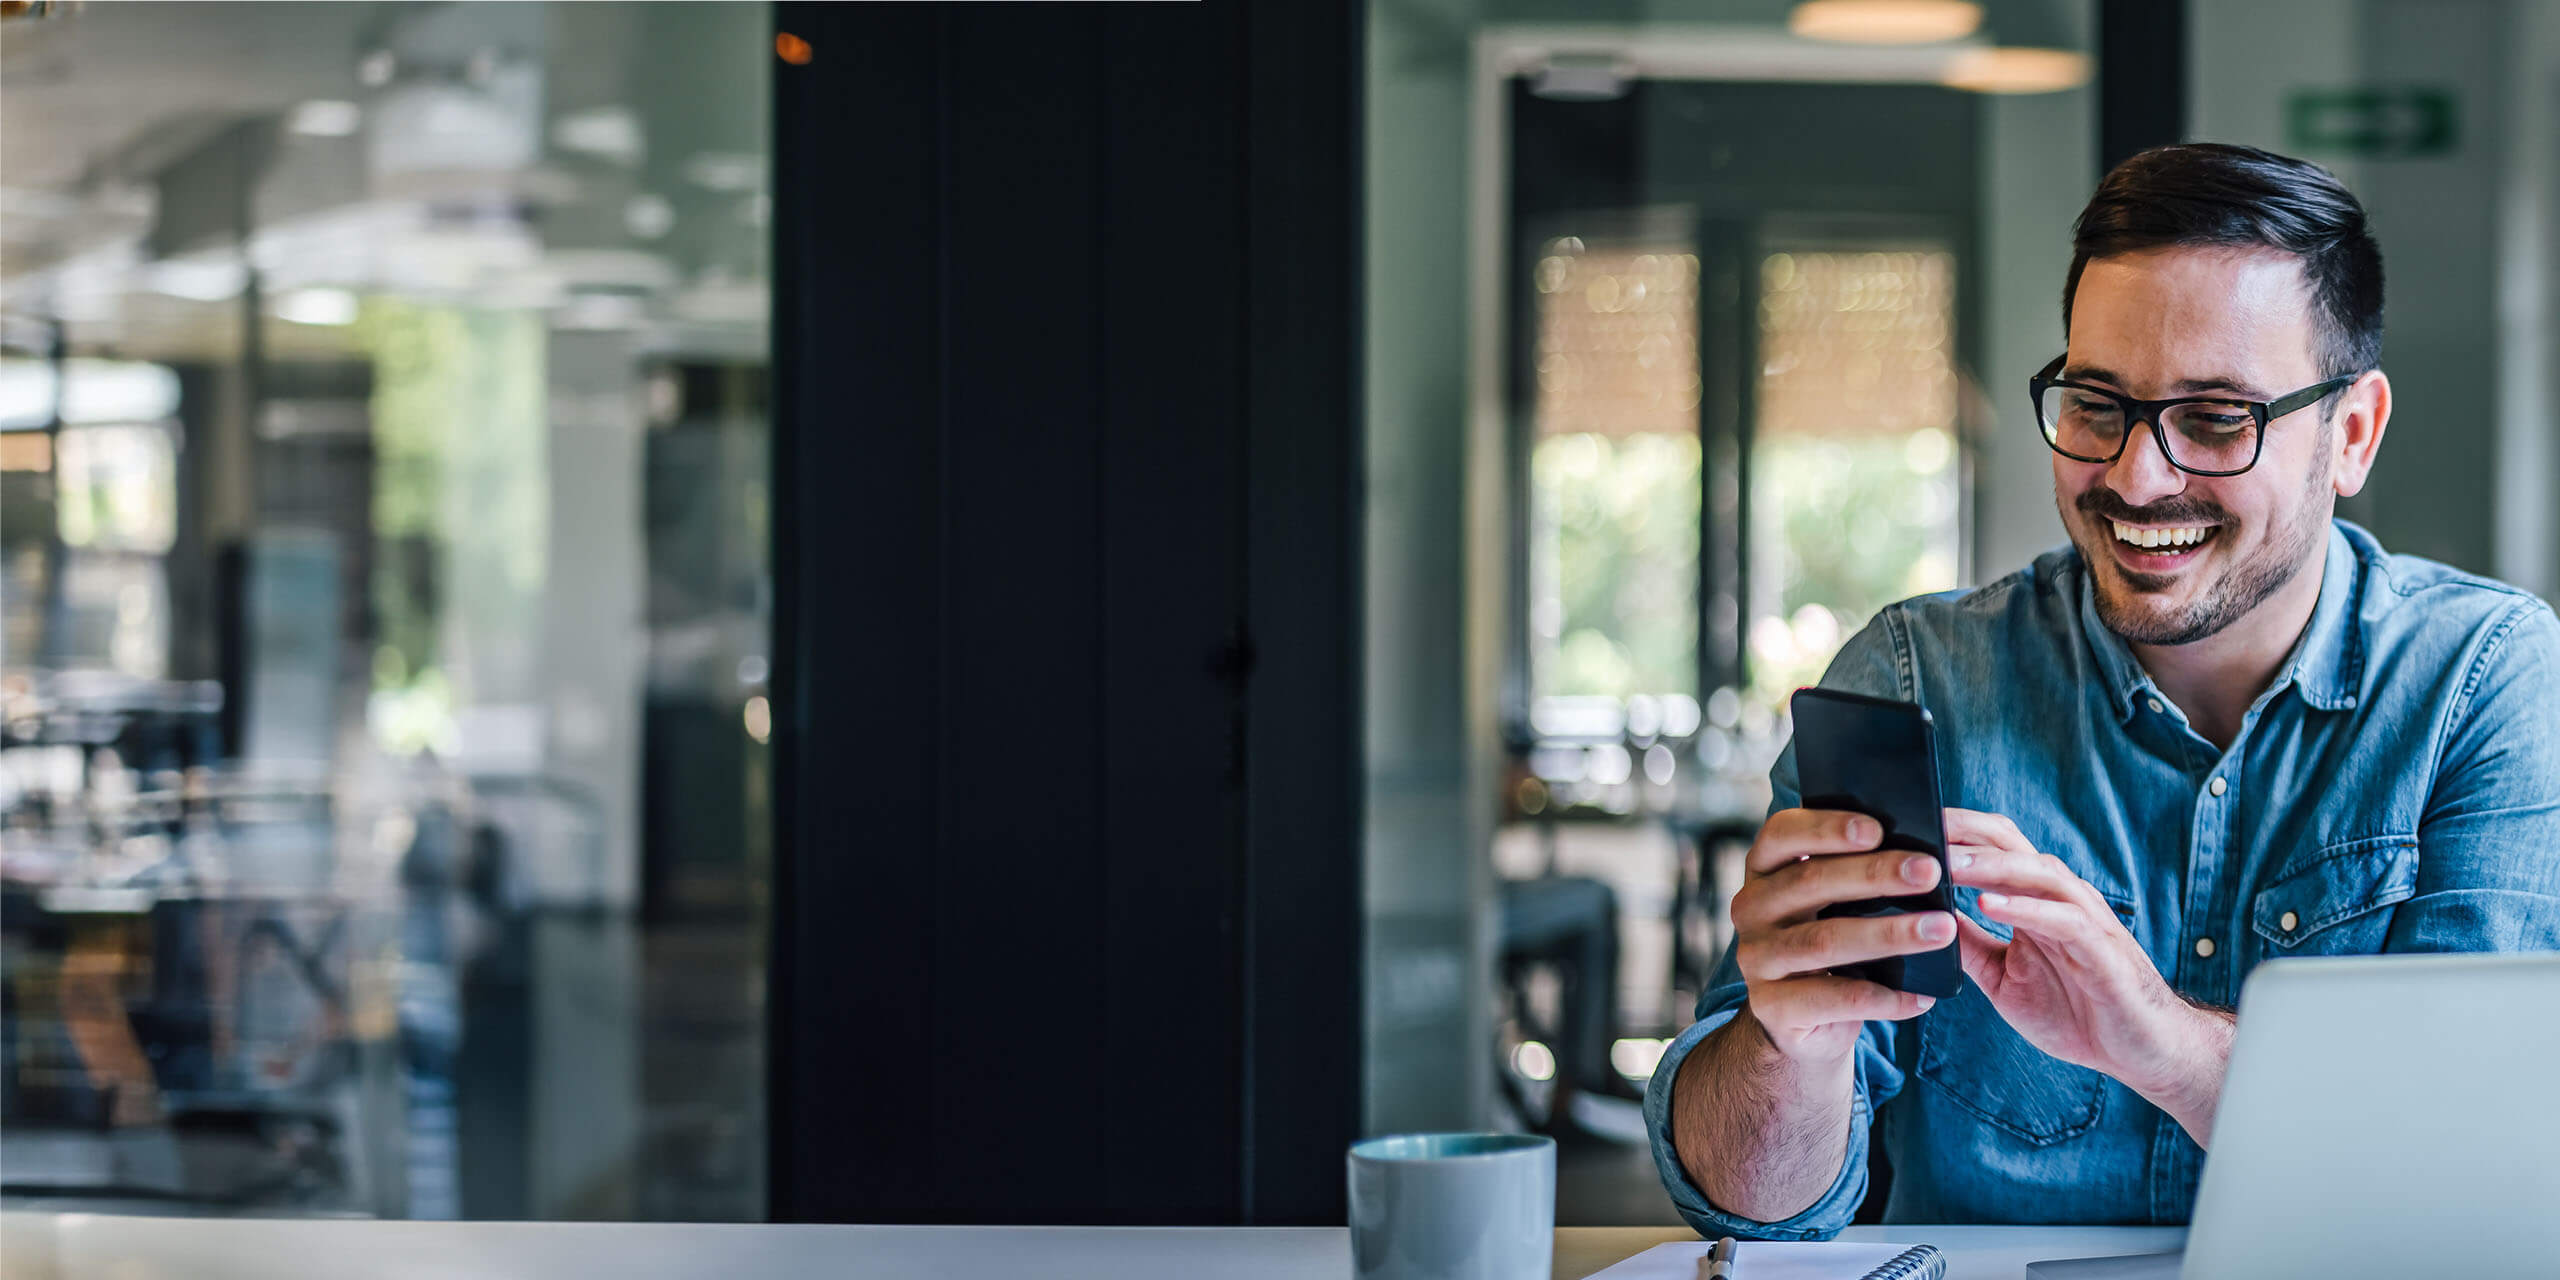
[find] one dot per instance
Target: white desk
(100, 1247)
(1973, 1253)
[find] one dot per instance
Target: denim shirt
(2395, 788)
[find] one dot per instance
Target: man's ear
(2364, 409)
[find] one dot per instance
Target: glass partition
(382, 500)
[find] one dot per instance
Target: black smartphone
(1875, 756)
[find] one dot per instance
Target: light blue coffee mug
(1441, 1206)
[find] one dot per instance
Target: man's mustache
(2105, 504)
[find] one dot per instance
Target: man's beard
(2242, 586)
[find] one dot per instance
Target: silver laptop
(2384, 1116)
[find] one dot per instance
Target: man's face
(2181, 322)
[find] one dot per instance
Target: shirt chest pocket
(2335, 904)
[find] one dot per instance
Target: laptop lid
(2387, 1116)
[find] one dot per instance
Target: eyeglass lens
(2203, 435)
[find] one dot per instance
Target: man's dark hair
(2213, 193)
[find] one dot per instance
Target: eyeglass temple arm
(2307, 395)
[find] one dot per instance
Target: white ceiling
(98, 99)
(111, 84)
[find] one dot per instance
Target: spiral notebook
(1827, 1260)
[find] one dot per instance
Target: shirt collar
(2327, 662)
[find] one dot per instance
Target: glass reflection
(383, 609)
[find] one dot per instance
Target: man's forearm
(2187, 1082)
(1763, 1136)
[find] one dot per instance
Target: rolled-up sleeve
(1875, 1078)
(1865, 665)
(2488, 874)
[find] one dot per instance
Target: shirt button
(2288, 921)
(2204, 946)
(2156, 708)
(2217, 786)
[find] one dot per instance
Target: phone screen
(1876, 756)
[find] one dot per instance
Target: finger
(1820, 999)
(2063, 922)
(1842, 940)
(1979, 950)
(1973, 834)
(2028, 873)
(1972, 826)
(1805, 886)
(1790, 834)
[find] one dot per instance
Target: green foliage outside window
(460, 511)
(1615, 564)
(1846, 525)
(1843, 525)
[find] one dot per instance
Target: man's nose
(2142, 474)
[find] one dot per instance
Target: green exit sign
(2371, 123)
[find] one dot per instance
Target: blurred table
(82, 1246)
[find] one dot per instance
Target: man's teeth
(2183, 536)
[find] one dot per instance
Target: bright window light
(199, 279)
(97, 391)
(318, 306)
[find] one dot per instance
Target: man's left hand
(2073, 981)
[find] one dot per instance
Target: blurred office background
(1216, 570)
(386, 576)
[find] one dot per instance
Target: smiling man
(2220, 726)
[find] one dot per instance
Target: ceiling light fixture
(648, 216)
(1885, 21)
(2017, 69)
(2031, 50)
(609, 132)
(324, 118)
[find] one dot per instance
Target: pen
(1717, 1263)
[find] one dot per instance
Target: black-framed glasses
(2200, 435)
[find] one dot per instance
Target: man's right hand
(1806, 860)
(1763, 1138)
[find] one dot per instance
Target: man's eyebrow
(2243, 388)
(2185, 386)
